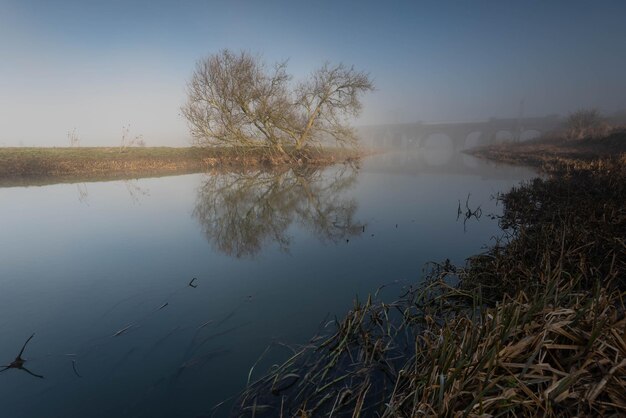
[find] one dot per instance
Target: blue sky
(96, 66)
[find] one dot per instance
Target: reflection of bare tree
(240, 212)
(135, 191)
(83, 193)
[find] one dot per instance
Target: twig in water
(74, 367)
(18, 363)
(468, 214)
(226, 318)
(210, 321)
(123, 330)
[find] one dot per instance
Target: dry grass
(42, 165)
(556, 353)
(572, 221)
(536, 326)
(552, 153)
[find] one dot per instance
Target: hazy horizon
(96, 67)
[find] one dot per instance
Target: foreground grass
(24, 166)
(535, 326)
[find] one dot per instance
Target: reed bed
(536, 326)
(573, 221)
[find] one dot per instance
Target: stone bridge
(457, 136)
(437, 148)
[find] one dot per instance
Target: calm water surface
(100, 272)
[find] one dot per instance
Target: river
(154, 297)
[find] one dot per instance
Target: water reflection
(240, 212)
(135, 191)
(83, 193)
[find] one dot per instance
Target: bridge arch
(503, 136)
(474, 139)
(391, 138)
(530, 134)
(438, 149)
(411, 140)
(399, 140)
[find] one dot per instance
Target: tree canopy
(236, 99)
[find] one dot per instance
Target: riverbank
(534, 326)
(38, 166)
(550, 153)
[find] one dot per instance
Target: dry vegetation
(586, 124)
(552, 153)
(24, 166)
(535, 326)
(587, 137)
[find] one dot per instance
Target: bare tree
(72, 136)
(586, 124)
(235, 99)
(130, 141)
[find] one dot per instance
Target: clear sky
(96, 66)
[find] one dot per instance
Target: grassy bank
(535, 326)
(26, 166)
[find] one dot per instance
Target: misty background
(98, 66)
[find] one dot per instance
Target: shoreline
(42, 166)
(533, 326)
(549, 154)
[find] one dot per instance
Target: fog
(96, 68)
